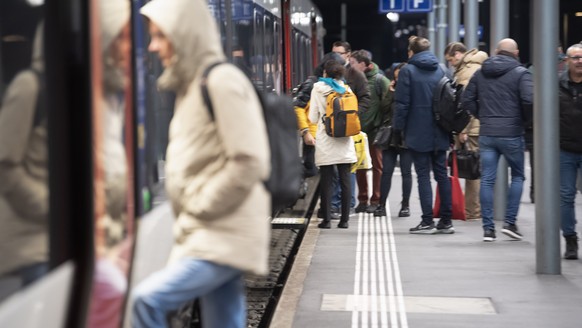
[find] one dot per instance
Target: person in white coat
(215, 170)
(330, 151)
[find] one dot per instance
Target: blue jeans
(422, 165)
(219, 288)
(491, 148)
(570, 163)
(336, 198)
(389, 157)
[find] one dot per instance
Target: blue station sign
(406, 6)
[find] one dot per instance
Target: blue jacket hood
(499, 65)
(425, 60)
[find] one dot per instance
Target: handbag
(364, 159)
(468, 163)
(457, 196)
(383, 137)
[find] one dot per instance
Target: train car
(83, 135)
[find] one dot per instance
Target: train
(83, 134)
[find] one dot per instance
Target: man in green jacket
(371, 120)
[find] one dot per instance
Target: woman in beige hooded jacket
(215, 168)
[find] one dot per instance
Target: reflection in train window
(113, 127)
(24, 155)
(257, 57)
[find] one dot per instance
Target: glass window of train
(309, 65)
(295, 53)
(279, 60)
(257, 57)
(302, 58)
(24, 167)
(242, 44)
(113, 127)
(269, 53)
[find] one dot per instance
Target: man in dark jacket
(427, 142)
(500, 95)
(570, 145)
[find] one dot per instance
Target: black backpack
(445, 105)
(286, 170)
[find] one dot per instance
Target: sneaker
(404, 212)
(352, 211)
(445, 227)
(511, 231)
(372, 208)
(380, 211)
(423, 228)
(489, 235)
(335, 213)
(361, 207)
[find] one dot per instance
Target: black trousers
(326, 184)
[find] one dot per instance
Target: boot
(343, 224)
(324, 224)
(571, 247)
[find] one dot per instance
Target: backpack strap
(204, 88)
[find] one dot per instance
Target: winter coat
(570, 116)
(328, 150)
(379, 106)
(413, 113)
(500, 95)
(469, 64)
(359, 85)
(215, 168)
(301, 105)
(24, 194)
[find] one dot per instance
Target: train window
(257, 57)
(24, 153)
(308, 58)
(113, 140)
(278, 45)
(295, 56)
(269, 54)
(242, 35)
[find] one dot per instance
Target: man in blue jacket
(427, 142)
(500, 95)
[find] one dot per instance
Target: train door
(27, 280)
(45, 164)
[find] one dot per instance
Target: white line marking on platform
(414, 304)
(377, 283)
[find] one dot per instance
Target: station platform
(376, 274)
